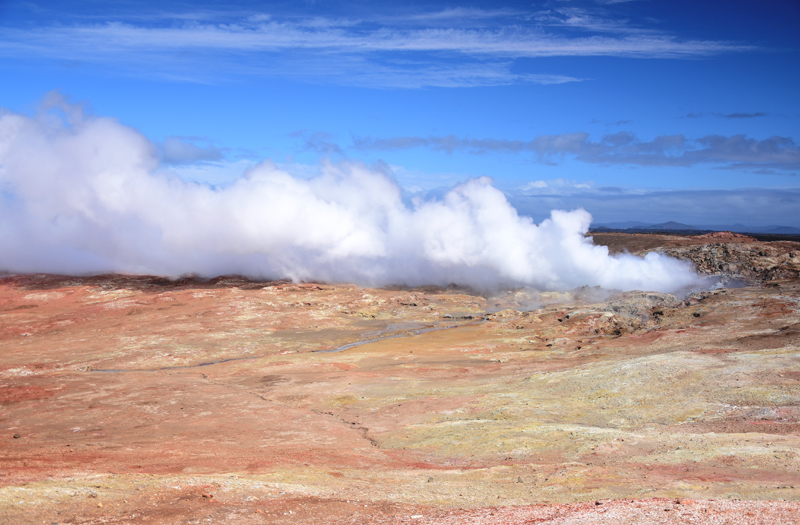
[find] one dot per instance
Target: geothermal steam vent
(90, 196)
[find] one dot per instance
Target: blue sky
(640, 110)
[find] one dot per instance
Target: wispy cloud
(736, 151)
(319, 141)
(453, 47)
(587, 20)
(744, 115)
(610, 123)
(609, 2)
(466, 14)
(182, 150)
(542, 145)
(511, 41)
(735, 115)
(558, 187)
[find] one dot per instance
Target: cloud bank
(618, 148)
(85, 194)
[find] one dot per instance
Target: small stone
(430, 480)
(208, 496)
(519, 480)
(17, 436)
(92, 495)
(597, 503)
(99, 504)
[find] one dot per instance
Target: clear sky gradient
(643, 110)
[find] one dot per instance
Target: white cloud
(536, 184)
(457, 47)
(89, 196)
(556, 187)
(415, 181)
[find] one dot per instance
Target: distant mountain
(671, 225)
(741, 228)
(736, 228)
(622, 225)
(782, 229)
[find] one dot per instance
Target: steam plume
(83, 195)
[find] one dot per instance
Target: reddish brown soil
(140, 400)
(193, 507)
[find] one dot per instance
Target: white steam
(83, 195)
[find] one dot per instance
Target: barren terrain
(129, 399)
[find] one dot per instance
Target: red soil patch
(16, 394)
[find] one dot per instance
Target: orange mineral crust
(132, 399)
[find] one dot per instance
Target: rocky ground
(728, 255)
(142, 400)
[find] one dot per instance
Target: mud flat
(140, 400)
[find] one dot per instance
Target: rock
(208, 496)
(741, 260)
(17, 436)
(727, 236)
(504, 314)
(640, 304)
